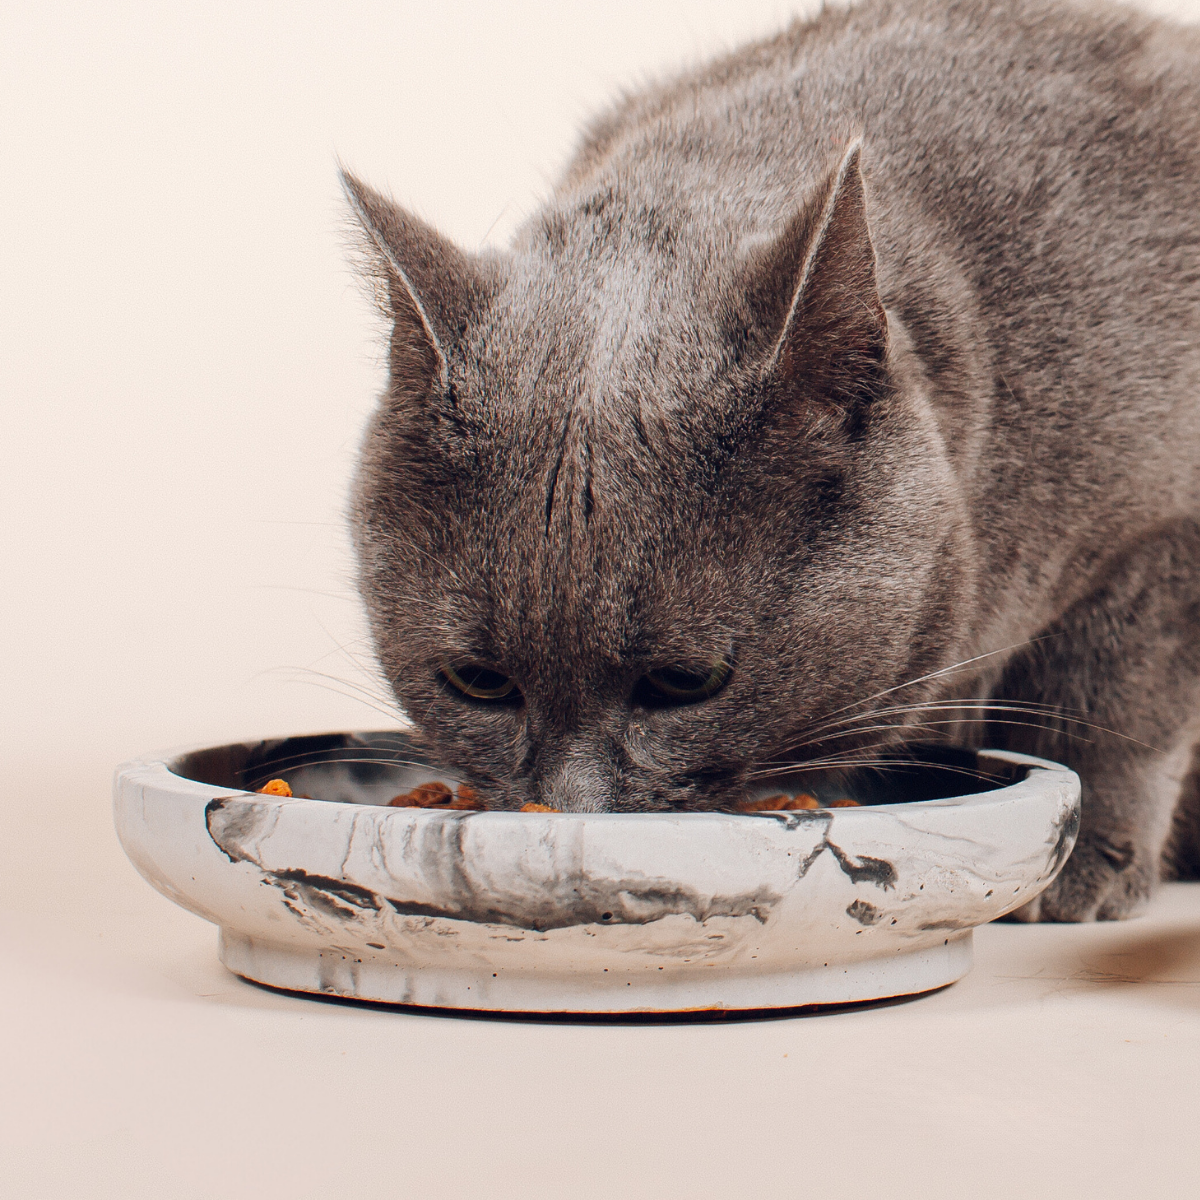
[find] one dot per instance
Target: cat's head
(643, 507)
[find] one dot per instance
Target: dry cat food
(439, 795)
(782, 803)
(436, 794)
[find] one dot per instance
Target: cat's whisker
(314, 758)
(964, 702)
(352, 691)
(376, 698)
(317, 758)
(943, 672)
(889, 728)
(868, 755)
(882, 765)
(938, 726)
(1053, 712)
(846, 730)
(859, 763)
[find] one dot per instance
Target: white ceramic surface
(581, 912)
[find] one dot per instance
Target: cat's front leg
(1115, 866)
(1121, 670)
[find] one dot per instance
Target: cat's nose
(580, 782)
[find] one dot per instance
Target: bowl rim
(161, 768)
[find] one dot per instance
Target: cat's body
(867, 351)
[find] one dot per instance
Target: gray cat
(845, 391)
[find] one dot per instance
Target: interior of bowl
(374, 767)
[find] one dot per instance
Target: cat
(846, 389)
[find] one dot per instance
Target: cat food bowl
(562, 912)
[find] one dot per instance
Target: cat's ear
(426, 286)
(817, 286)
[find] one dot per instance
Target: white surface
(184, 368)
(1063, 1065)
(586, 912)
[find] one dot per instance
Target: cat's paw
(1105, 879)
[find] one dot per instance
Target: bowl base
(374, 976)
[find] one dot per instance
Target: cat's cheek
(638, 748)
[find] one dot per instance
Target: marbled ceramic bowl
(559, 912)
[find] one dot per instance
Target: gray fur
(867, 351)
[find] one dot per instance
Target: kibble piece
(779, 803)
(537, 808)
(275, 787)
(436, 794)
(764, 804)
(425, 795)
(843, 804)
(467, 799)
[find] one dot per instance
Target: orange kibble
(467, 799)
(537, 808)
(436, 794)
(275, 787)
(778, 803)
(844, 804)
(765, 804)
(424, 795)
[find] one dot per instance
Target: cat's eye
(480, 682)
(675, 685)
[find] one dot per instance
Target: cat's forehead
(581, 376)
(586, 322)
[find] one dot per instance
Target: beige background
(185, 365)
